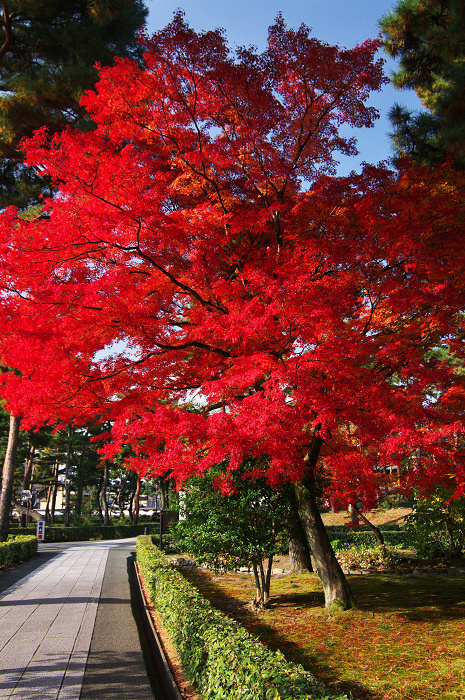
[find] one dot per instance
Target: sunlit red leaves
(247, 303)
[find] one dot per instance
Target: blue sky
(343, 22)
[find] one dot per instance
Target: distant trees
(66, 461)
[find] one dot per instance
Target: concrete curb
(158, 660)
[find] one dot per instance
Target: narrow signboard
(40, 530)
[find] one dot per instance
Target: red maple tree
(203, 280)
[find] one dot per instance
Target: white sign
(40, 533)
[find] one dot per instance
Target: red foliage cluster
(204, 281)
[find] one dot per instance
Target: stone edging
(451, 571)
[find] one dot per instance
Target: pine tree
(427, 37)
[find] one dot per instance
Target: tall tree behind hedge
(48, 52)
(428, 38)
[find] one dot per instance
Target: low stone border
(406, 572)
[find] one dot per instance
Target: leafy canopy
(205, 283)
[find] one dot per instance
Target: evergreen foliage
(240, 528)
(427, 37)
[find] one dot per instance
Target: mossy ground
(406, 640)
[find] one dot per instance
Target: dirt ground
(380, 516)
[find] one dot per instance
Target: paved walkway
(67, 629)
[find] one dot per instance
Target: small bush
(222, 660)
(361, 558)
(337, 545)
(17, 549)
(438, 523)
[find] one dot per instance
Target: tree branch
(6, 22)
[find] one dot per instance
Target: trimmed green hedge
(222, 660)
(18, 549)
(394, 536)
(81, 533)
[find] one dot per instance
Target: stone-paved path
(66, 627)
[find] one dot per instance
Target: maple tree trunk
(299, 556)
(375, 530)
(335, 586)
(299, 552)
(8, 477)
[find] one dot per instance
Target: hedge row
(80, 533)
(18, 549)
(394, 536)
(222, 660)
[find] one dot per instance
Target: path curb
(158, 659)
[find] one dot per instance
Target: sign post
(40, 533)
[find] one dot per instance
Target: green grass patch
(404, 642)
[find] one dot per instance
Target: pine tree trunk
(8, 477)
(28, 469)
(80, 482)
(335, 586)
(163, 487)
(98, 499)
(67, 472)
(106, 516)
(30, 512)
(47, 503)
(56, 470)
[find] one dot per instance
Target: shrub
(337, 545)
(438, 523)
(17, 549)
(362, 558)
(222, 660)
